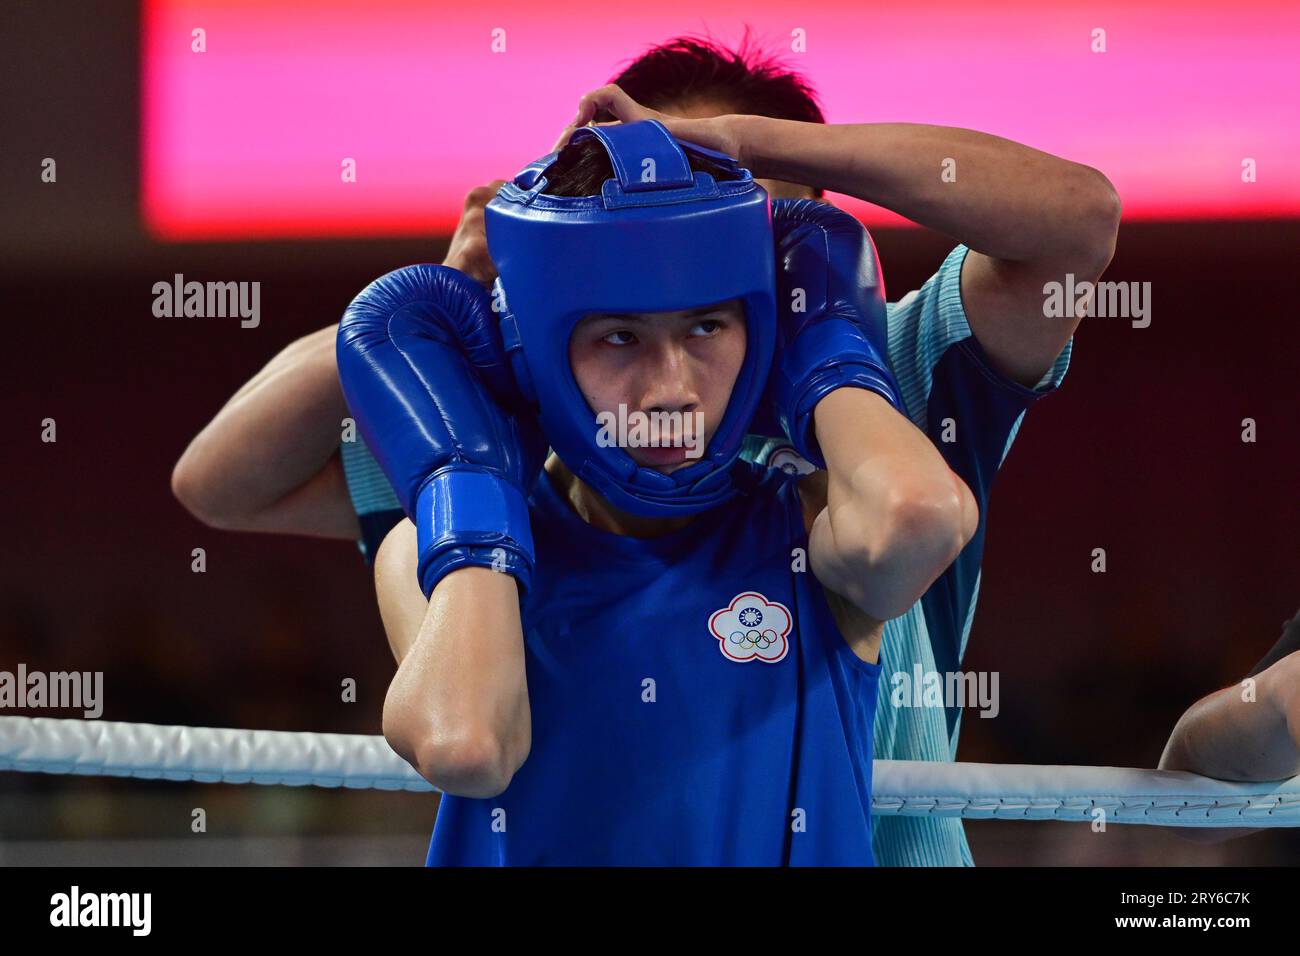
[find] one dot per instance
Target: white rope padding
(899, 787)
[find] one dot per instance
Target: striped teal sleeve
(912, 733)
(926, 323)
(373, 499)
(367, 484)
(942, 374)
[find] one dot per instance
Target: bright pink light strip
(249, 138)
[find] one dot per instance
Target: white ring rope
(899, 787)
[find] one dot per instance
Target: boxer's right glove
(825, 262)
(425, 375)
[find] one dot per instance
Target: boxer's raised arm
(894, 514)
(457, 709)
(422, 363)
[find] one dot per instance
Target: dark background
(1140, 453)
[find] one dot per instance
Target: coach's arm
(1029, 218)
(269, 461)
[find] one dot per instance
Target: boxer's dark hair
(690, 69)
(582, 168)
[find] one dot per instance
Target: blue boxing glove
(424, 372)
(830, 303)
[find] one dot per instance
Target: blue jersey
(973, 413)
(693, 701)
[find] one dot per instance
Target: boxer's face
(682, 362)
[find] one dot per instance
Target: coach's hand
(468, 251)
(609, 104)
(422, 366)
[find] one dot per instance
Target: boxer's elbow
(923, 526)
(463, 761)
(910, 537)
(466, 766)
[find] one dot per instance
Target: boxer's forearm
(999, 197)
(262, 464)
(402, 605)
(457, 710)
(896, 514)
(1226, 737)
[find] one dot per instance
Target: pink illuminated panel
(249, 138)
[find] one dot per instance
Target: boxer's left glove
(830, 317)
(425, 374)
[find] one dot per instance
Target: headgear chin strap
(658, 238)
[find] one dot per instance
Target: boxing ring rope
(899, 787)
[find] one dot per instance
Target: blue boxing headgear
(674, 239)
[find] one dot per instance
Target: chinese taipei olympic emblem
(752, 628)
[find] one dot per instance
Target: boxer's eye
(612, 338)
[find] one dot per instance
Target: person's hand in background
(468, 251)
(1248, 731)
(712, 132)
